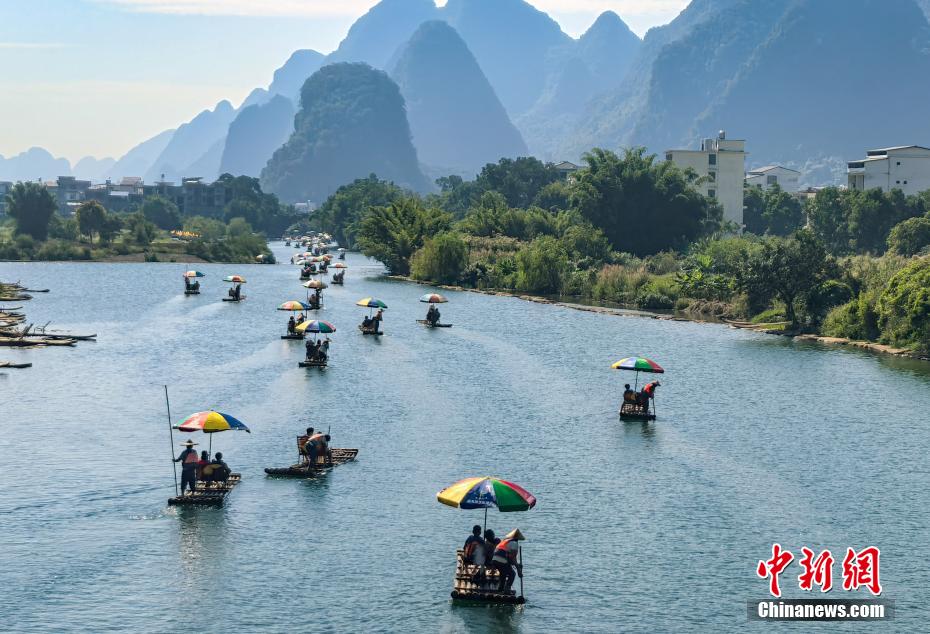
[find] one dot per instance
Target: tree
(827, 214)
(162, 212)
(781, 213)
(910, 237)
(904, 307)
(641, 206)
(519, 180)
(392, 234)
(112, 225)
(142, 231)
(350, 202)
(753, 210)
(90, 218)
(31, 206)
(442, 259)
(541, 264)
(789, 269)
(238, 227)
(208, 229)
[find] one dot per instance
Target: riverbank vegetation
(153, 230)
(631, 230)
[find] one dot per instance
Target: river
(638, 528)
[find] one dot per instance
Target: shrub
(904, 307)
(541, 265)
(441, 259)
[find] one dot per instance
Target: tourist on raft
(217, 470)
(432, 315)
(291, 326)
(505, 559)
(203, 462)
(324, 350)
(474, 547)
(649, 392)
(317, 445)
(376, 322)
(313, 350)
(302, 442)
(189, 463)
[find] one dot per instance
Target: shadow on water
(499, 619)
(201, 543)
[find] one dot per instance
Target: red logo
(860, 569)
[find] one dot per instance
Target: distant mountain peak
(608, 24)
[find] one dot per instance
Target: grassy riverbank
(632, 231)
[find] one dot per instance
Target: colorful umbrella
(191, 274)
(478, 493)
(211, 423)
(294, 306)
(315, 284)
(433, 298)
(339, 265)
(234, 279)
(638, 364)
(371, 302)
(320, 327)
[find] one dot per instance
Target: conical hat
(516, 535)
(189, 443)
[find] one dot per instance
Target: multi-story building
(118, 197)
(721, 164)
(766, 177)
(906, 167)
(5, 187)
(70, 193)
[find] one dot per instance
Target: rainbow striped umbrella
(371, 302)
(638, 364)
(191, 274)
(433, 298)
(234, 279)
(483, 493)
(294, 306)
(316, 284)
(211, 423)
(320, 327)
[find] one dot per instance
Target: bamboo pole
(174, 465)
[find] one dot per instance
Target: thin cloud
(30, 45)
(267, 8)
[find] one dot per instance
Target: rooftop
(769, 168)
(884, 151)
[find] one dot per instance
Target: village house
(721, 164)
(906, 167)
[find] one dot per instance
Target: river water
(638, 528)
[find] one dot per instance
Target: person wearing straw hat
(189, 462)
(506, 558)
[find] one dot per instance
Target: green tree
(910, 237)
(519, 180)
(788, 269)
(827, 214)
(141, 230)
(209, 229)
(90, 217)
(238, 227)
(754, 210)
(31, 206)
(350, 202)
(456, 195)
(63, 229)
(162, 212)
(392, 234)
(442, 259)
(641, 206)
(904, 307)
(541, 265)
(554, 196)
(111, 227)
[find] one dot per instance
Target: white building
(906, 167)
(766, 177)
(721, 163)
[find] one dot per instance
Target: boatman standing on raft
(189, 461)
(506, 558)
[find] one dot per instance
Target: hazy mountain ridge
(191, 142)
(456, 119)
(255, 134)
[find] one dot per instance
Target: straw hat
(189, 443)
(515, 535)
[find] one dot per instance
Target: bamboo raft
(633, 411)
(207, 493)
(192, 292)
(470, 587)
(294, 336)
(14, 366)
(429, 325)
(370, 331)
(301, 470)
(233, 299)
(313, 364)
(34, 342)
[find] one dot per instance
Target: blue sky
(95, 77)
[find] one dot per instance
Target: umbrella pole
(485, 518)
(174, 465)
(520, 559)
(210, 450)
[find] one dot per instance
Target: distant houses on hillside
(905, 167)
(721, 164)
